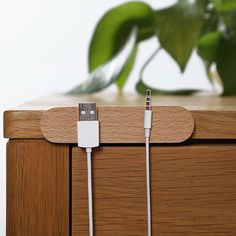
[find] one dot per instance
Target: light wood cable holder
(120, 125)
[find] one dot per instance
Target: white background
(43, 48)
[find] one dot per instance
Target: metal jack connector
(148, 100)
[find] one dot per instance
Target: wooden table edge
(208, 124)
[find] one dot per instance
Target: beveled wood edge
(211, 125)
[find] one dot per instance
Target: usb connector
(88, 126)
(87, 111)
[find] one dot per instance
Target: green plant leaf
(226, 64)
(109, 72)
(211, 21)
(225, 5)
(178, 28)
(229, 19)
(141, 88)
(208, 46)
(113, 30)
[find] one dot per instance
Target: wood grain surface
(37, 188)
(193, 191)
(214, 125)
(208, 124)
(22, 124)
(120, 125)
(215, 117)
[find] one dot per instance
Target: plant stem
(153, 55)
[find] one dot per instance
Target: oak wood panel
(120, 125)
(22, 124)
(193, 191)
(214, 125)
(37, 188)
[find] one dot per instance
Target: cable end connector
(88, 126)
(148, 100)
(148, 114)
(87, 111)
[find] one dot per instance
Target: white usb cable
(88, 138)
(147, 127)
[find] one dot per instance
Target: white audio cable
(88, 138)
(147, 127)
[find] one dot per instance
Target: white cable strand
(90, 192)
(147, 127)
(149, 211)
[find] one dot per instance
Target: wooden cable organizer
(120, 125)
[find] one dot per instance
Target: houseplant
(209, 26)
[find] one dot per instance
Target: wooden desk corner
(193, 167)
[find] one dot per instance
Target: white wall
(43, 48)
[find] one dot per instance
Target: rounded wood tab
(120, 125)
